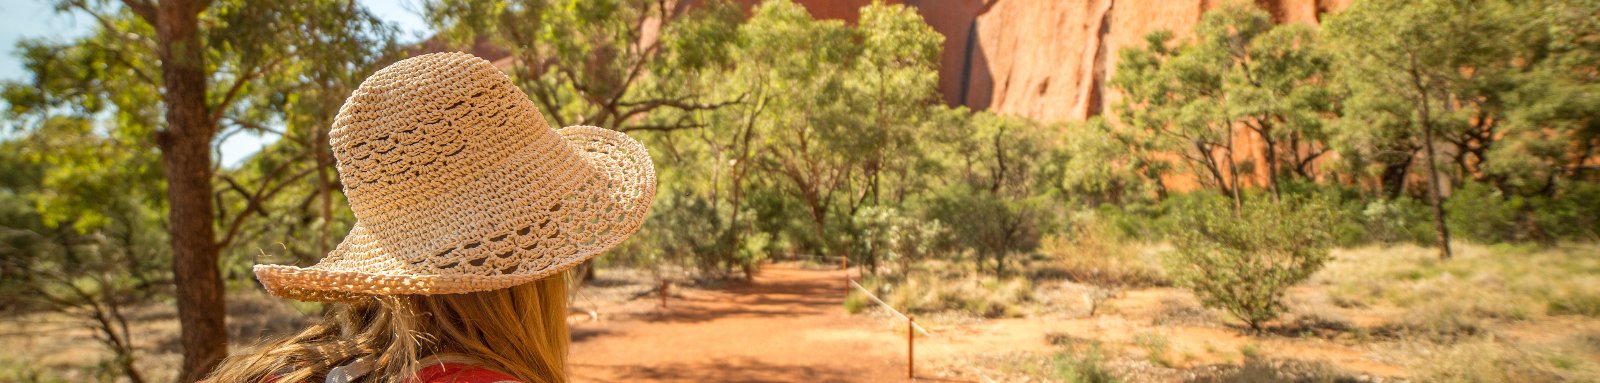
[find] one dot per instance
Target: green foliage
(1394, 221)
(75, 238)
(990, 226)
(1093, 166)
(885, 234)
(1085, 366)
(997, 204)
(583, 63)
(1090, 251)
(1485, 214)
(1244, 262)
(1241, 70)
(855, 302)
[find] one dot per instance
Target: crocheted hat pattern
(458, 186)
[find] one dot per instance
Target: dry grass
(1465, 295)
(937, 292)
(1092, 254)
(1485, 360)
(1492, 314)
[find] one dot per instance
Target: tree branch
(238, 83)
(145, 10)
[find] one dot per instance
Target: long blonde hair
(521, 331)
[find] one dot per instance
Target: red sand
(788, 325)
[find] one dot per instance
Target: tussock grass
(1463, 296)
(1085, 365)
(927, 292)
(1485, 360)
(1259, 370)
(1091, 253)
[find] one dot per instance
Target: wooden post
(664, 285)
(911, 347)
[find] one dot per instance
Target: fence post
(911, 347)
(664, 285)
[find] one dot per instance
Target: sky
(26, 19)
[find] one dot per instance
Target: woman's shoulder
(462, 373)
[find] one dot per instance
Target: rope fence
(891, 309)
(911, 323)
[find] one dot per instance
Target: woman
(468, 211)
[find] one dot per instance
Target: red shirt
(461, 373)
(452, 373)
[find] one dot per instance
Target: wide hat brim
(529, 235)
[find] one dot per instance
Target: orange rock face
(1050, 60)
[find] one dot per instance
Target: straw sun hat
(459, 186)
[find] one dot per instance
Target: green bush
(885, 234)
(1081, 367)
(1479, 213)
(1244, 263)
(1573, 213)
(855, 302)
(1400, 220)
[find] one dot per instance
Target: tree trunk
(1393, 178)
(1233, 172)
(1272, 161)
(1423, 114)
(186, 158)
(1433, 191)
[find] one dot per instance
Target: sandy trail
(788, 325)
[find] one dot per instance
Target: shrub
(1479, 213)
(1080, 367)
(1483, 214)
(1391, 221)
(990, 225)
(1244, 264)
(1092, 252)
(886, 234)
(855, 302)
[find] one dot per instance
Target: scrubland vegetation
(1411, 186)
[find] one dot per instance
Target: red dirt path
(788, 325)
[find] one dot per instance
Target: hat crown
(420, 125)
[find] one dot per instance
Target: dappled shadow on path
(777, 293)
(787, 325)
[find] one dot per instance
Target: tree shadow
(767, 299)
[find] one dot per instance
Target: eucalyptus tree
(174, 75)
(1240, 70)
(586, 62)
(1175, 101)
(1553, 130)
(895, 86)
(801, 63)
(994, 198)
(1423, 72)
(1272, 81)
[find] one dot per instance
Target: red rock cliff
(1050, 59)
